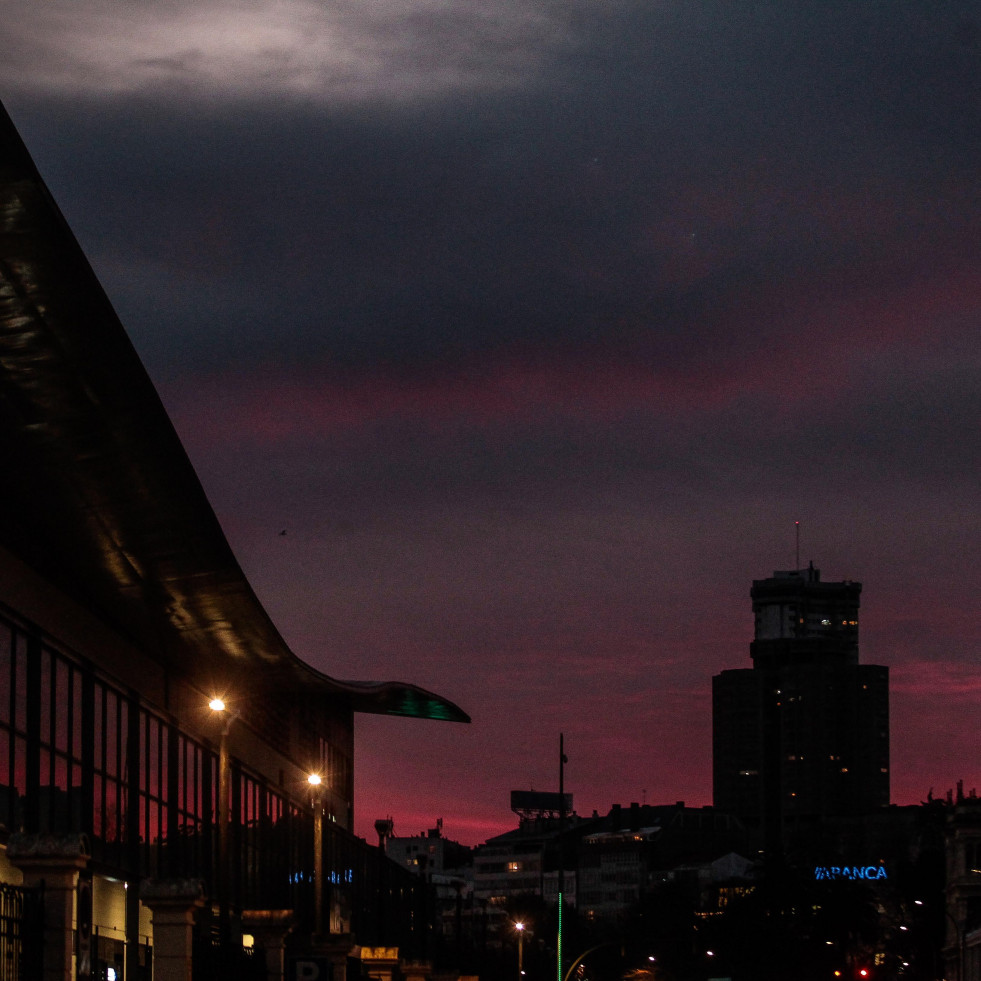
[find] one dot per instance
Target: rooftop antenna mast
(563, 759)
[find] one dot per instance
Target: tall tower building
(802, 735)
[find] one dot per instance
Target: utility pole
(563, 759)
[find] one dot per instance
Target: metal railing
(21, 933)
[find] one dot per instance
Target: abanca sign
(850, 872)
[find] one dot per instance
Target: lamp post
(217, 705)
(316, 803)
(520, 927)
(958, 936)
(563, 759)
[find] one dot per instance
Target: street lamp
(520, 927)
(217, 705)
(315, 781)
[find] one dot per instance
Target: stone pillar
(336, 948)
(53, 861)
(270, 928)
(172, 903)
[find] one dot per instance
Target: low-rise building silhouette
(634, 849)
(962, 946)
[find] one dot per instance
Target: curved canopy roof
(97, 492)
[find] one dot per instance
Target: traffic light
(863, 972)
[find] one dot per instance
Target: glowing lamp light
(519, 926)
(314, 780)
(216, 705)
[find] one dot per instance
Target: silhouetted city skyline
(536, 328)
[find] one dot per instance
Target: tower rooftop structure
(798, 617)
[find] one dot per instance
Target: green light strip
(560, 939)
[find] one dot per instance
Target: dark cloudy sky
(536, 325)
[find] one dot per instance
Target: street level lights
(520, 927)
(316, 803)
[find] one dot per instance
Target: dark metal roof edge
(398, 698)
(135, 583)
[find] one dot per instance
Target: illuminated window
(514, 866)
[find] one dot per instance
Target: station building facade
(123, 613)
